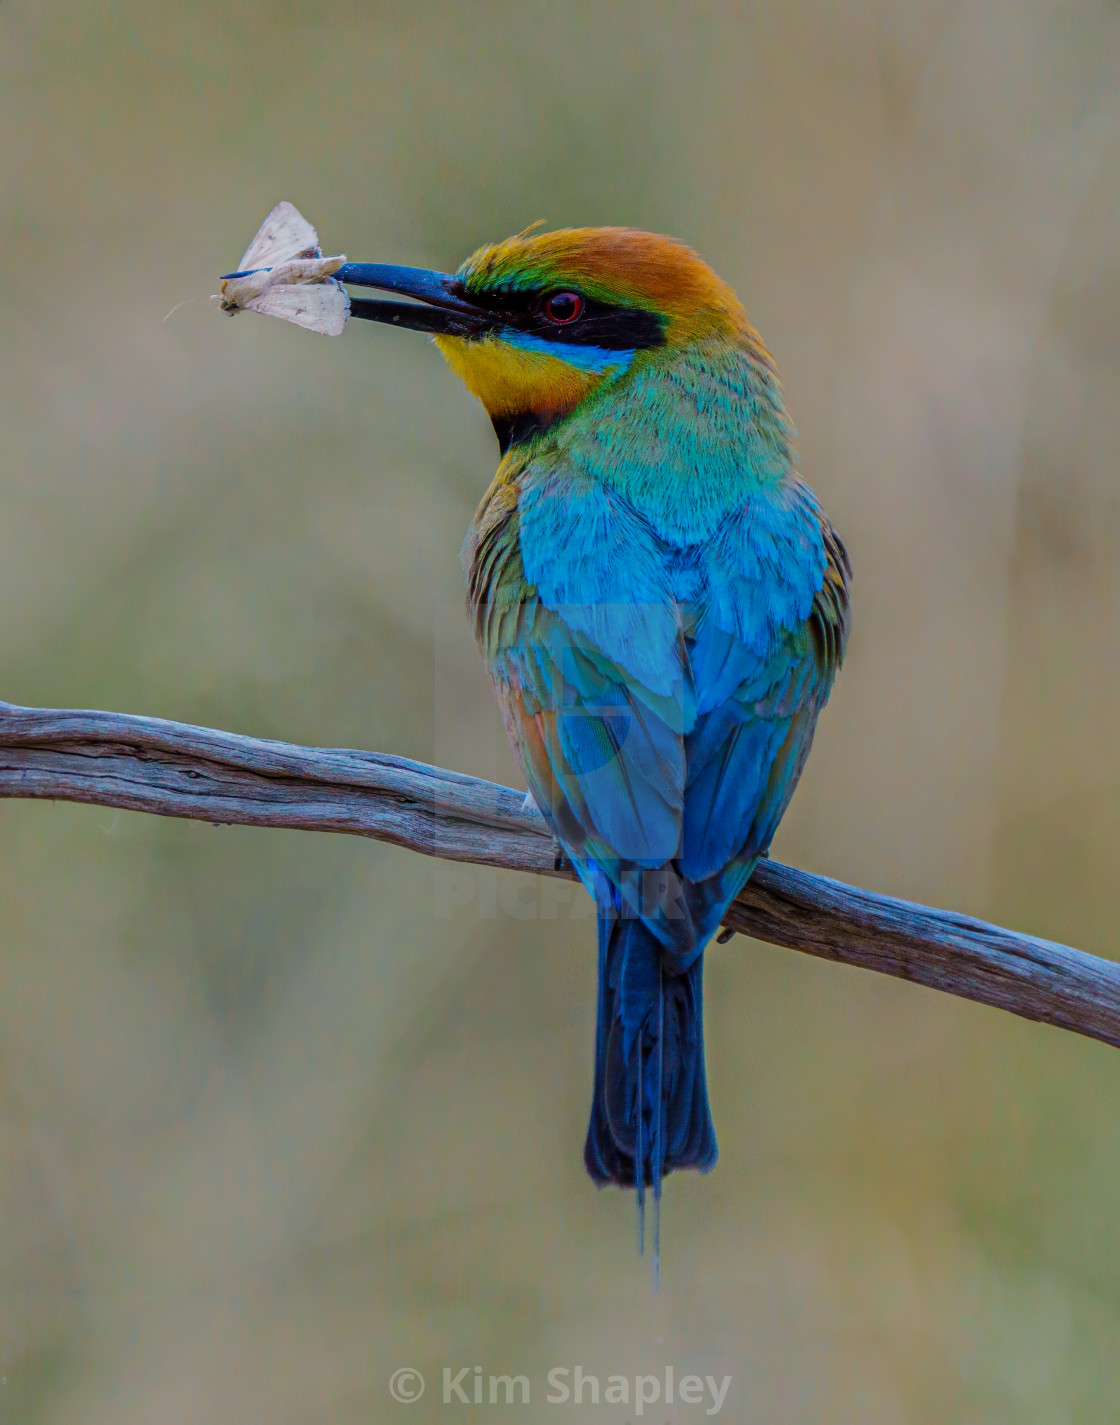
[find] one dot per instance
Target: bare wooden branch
(174, 769)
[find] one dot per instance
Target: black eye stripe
(616, 328)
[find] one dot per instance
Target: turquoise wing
(662, 705)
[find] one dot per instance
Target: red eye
(563, 307)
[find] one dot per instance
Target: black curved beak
(438, 305)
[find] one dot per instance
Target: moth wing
(284, 234)
(317, 307)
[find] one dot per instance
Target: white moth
(284, 274)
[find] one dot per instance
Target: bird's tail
(650, 1111)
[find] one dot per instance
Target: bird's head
(534, 324)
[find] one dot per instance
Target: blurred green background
(280, 1113)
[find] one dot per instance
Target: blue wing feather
(726, 784)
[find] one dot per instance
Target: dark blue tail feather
(650, 1111)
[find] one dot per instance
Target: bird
(663, 607)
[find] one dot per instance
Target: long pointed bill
(436, 306)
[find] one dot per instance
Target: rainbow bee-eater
(662, 606)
